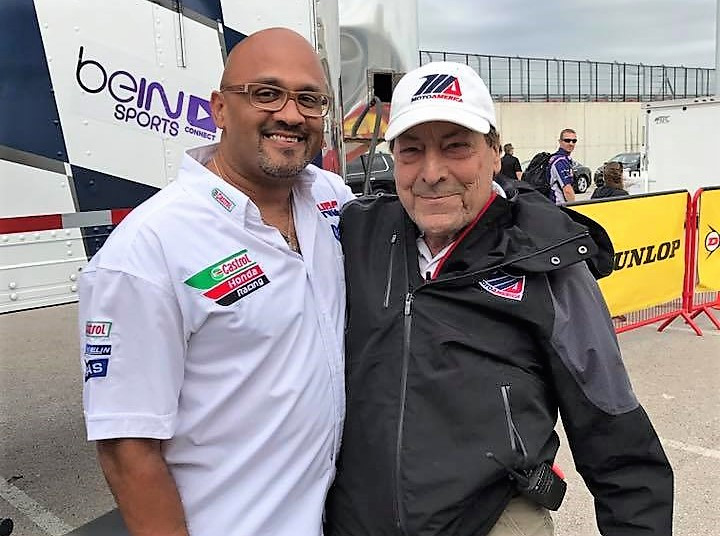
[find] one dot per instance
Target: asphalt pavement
(50, 482)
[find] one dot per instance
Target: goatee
(292, 167)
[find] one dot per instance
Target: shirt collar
(498, 190)
(222, 194)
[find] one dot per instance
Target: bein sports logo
(135, 97)
(439, 86)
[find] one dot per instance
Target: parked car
(630, 162)
(581, 176)
(381, 174)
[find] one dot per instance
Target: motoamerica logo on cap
(439, 86)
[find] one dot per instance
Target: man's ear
(496, 162)
(217, 108)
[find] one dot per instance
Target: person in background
(212, 319)
(462, 344)
(560, 169)
(509, 164)
(614, 186)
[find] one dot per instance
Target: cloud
(669, 32)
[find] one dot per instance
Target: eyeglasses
(273, 99)
(570, 140)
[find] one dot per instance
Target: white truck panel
(37, 268)
(249, 17)
(682, 143)
(29, 191)
(40, 268)
(144, 51)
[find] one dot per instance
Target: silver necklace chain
(289, 235)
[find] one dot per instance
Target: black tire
(582, 182)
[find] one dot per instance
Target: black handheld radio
(540, 485)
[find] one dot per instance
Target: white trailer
(101, 97)
(682, 137)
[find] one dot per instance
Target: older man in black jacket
(473, 320)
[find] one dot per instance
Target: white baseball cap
(441, 91)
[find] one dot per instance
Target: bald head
(268, 147)
(272, 49)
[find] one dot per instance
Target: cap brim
(435, 112)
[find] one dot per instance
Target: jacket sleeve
(614, 445)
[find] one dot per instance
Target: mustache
(422, 189)
(283, 127)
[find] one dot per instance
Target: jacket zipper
(516, 442)
(407, 321)
(393, 241)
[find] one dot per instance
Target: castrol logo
(230, 267)
(97, 329)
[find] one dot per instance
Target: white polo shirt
(201, 327)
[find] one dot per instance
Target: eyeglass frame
(244, 89)
(569, 140)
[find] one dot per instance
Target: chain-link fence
(543, 79)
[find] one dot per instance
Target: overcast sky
(669, 32)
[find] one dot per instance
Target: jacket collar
(527, 233)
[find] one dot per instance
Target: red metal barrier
(651, 315)
(707, 307)
(692, 303)
(696, 308)
(690, 260)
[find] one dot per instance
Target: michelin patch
(503, 285)
(98, 349)
(230, 279)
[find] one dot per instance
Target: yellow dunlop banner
(708, 256)
(648, 234)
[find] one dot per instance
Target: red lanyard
(462, 235)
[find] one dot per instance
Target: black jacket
(608, 191)
(509, 166)
(512, 329)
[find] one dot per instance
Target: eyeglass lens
(570, 140)
(273, 98)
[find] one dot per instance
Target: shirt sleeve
(563, 168)
(132, 351)
(516, 165)
(345, 194)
